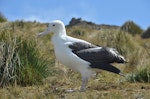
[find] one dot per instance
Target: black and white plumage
(81, 55)
(99, 57)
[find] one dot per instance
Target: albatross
(80, 55)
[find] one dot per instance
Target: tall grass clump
(146, 33)
(2, 18)
(131, 28)
(78, 32)
(20, 61)
(141, 75)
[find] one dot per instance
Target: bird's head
(57, 27)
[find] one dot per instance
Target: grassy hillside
(35, 55)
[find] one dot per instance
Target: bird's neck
(58, 36)
(60, 32)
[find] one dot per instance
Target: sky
(113, 12)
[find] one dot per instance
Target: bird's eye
(53, 24)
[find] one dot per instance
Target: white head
(57, 27)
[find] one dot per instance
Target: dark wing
(99, 57)
(105, 66)
(99, 54)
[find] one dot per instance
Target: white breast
(65, 56)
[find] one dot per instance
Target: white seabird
(81, 55)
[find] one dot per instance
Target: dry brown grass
(103, 86)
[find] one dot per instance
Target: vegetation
(26, 60)
(131, 28)
(2, 18)
(21, 62)
(78, 33)
(146, 33)
(142, 75)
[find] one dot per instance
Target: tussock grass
(141, 75)
(146, 33)
(20, 60)
(131, 28)
(2, 18)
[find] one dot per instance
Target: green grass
(96, 89)
(131, 28)
(21, 61)
(2, 18)
(141, 75)
(33, 74)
